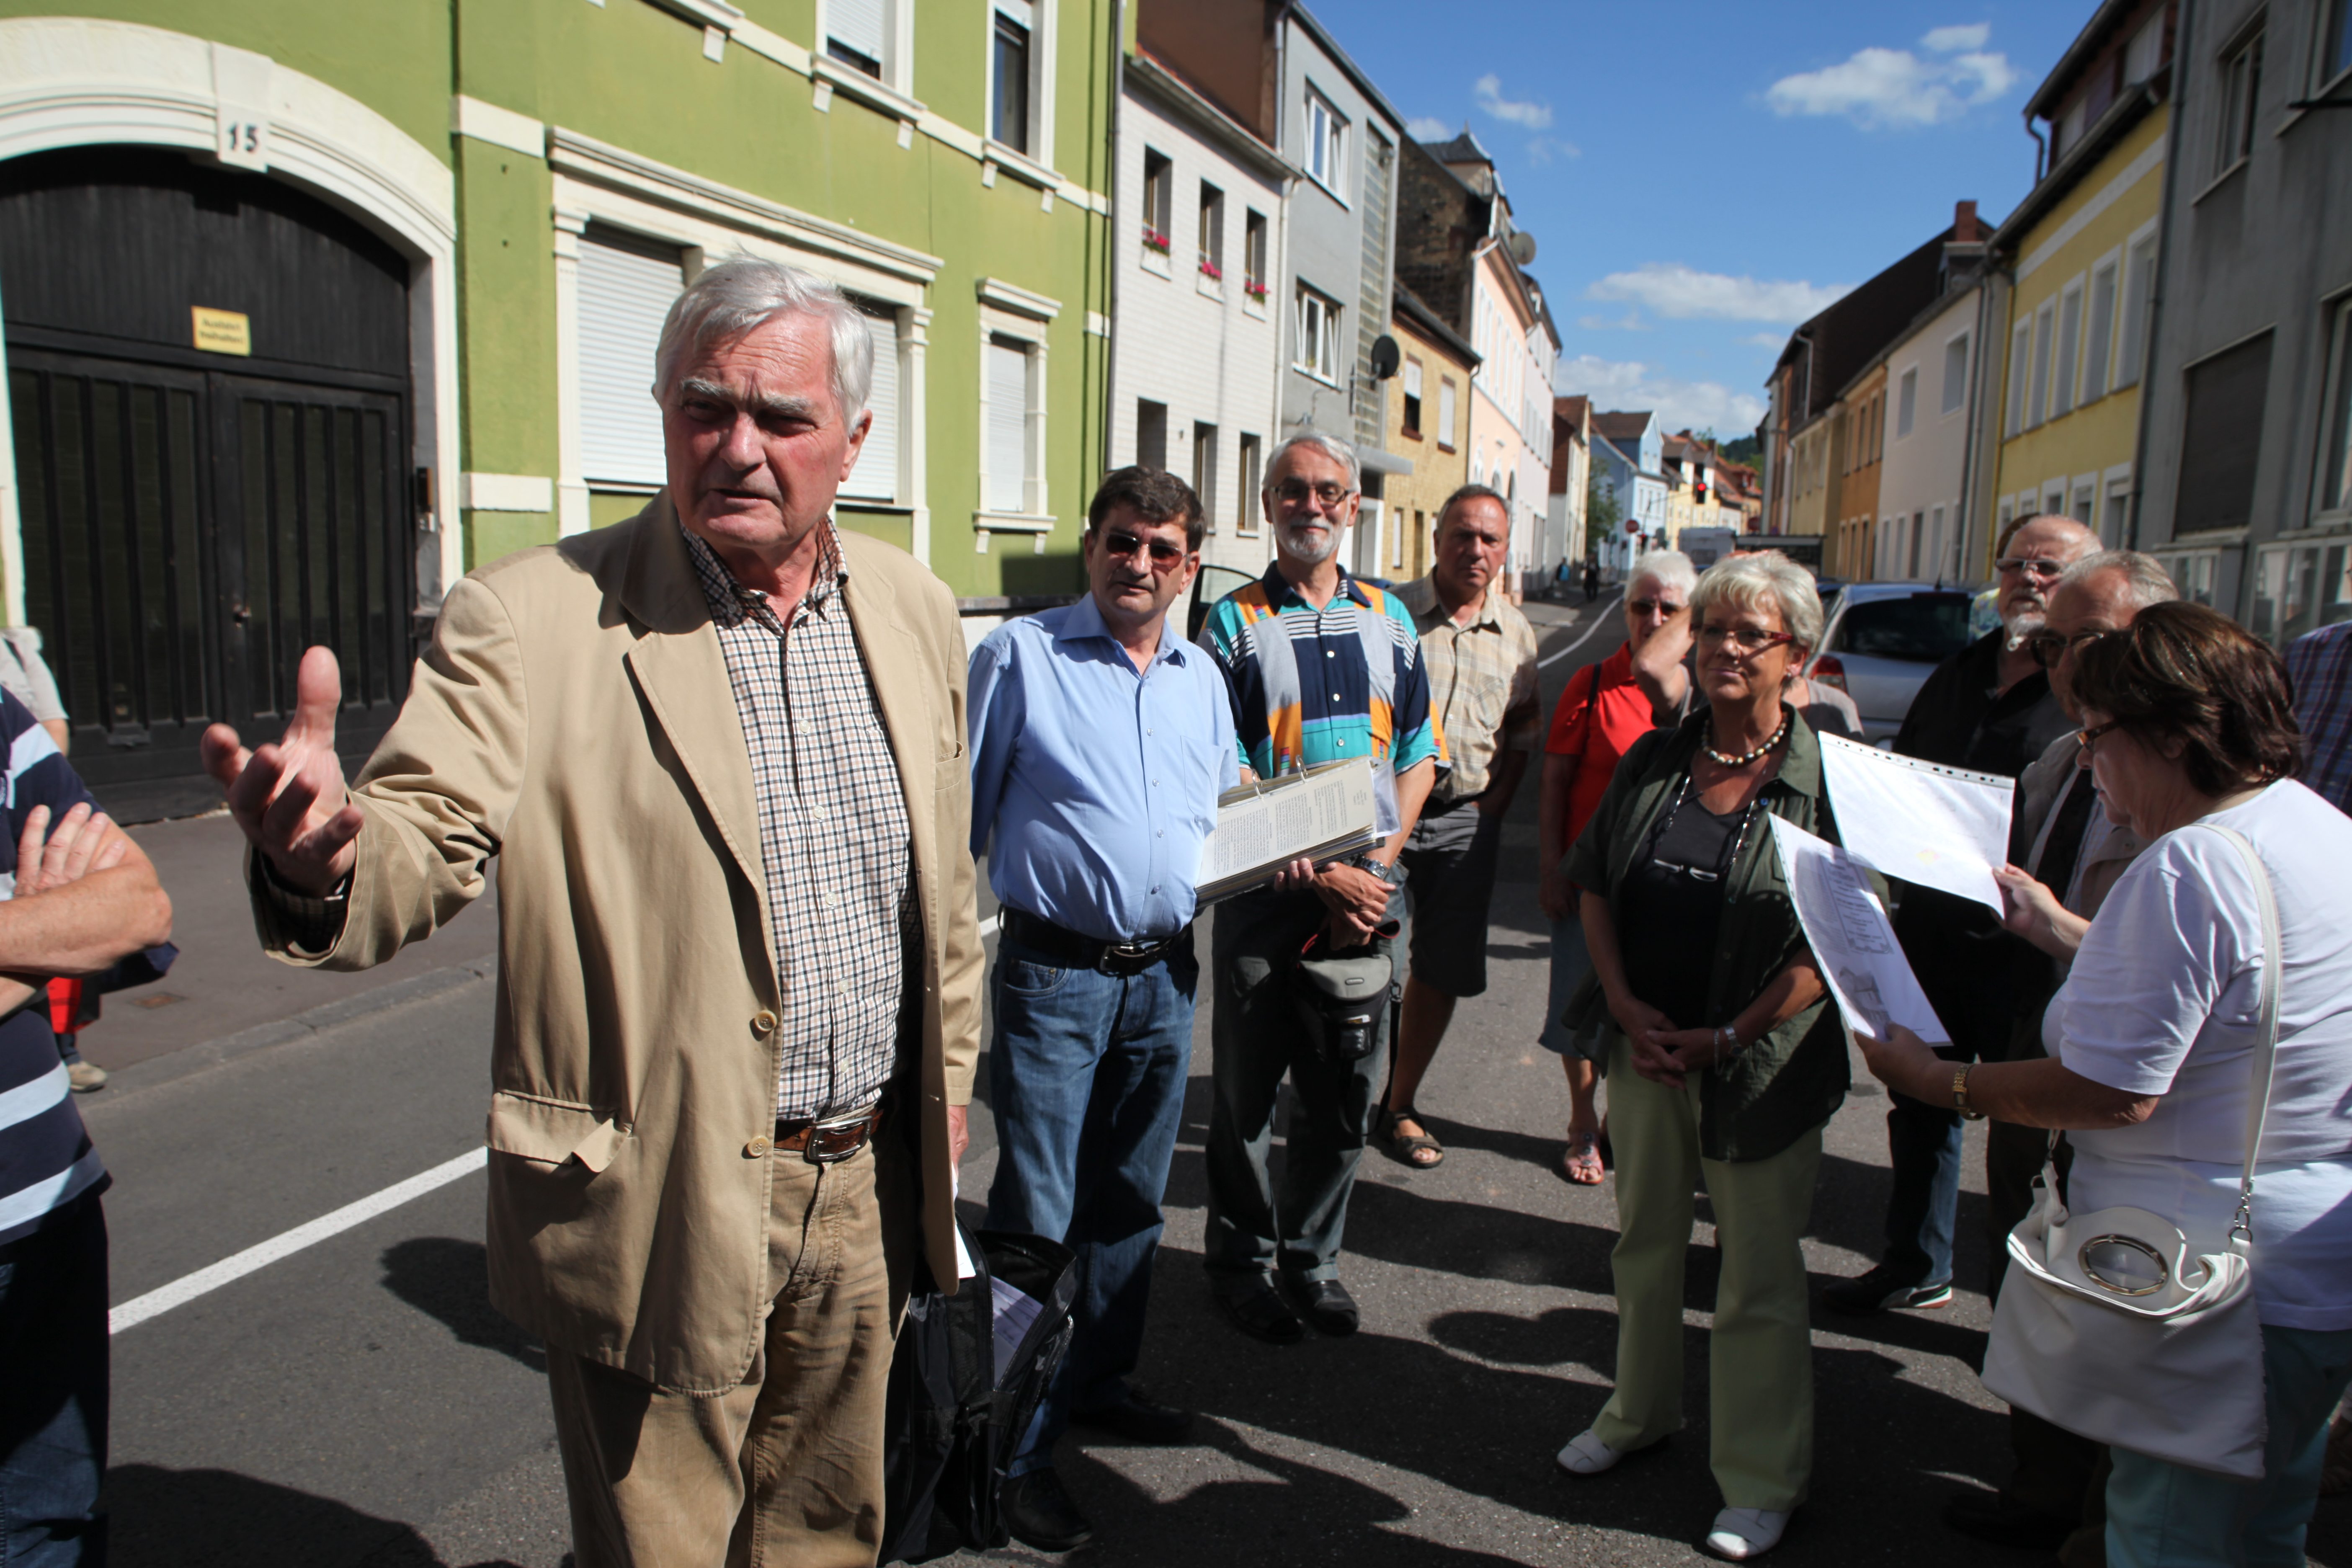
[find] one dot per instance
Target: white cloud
(1489, 91)
(1543, 149)
(1947, 40)
(1765, 341)
(1428, 128)
(1682, 293)
(1681, 404)
(1877, 88)
(1631, 321)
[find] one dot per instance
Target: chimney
(1965, 227)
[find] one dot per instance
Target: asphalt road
(358, 1403)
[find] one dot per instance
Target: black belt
(830, 1141)
(1076, 952)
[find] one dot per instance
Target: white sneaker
(1741, 1533)
(1587, 1455)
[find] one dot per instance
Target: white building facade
(1930, 376)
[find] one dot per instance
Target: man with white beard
(1322, 669)
(1987, 708)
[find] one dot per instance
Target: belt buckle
(1126, 952)
(821, 1148)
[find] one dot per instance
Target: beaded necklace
(1745, 758)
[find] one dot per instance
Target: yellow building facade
(1428, 423)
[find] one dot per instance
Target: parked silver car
(1881, 642)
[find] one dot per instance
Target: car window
(1926, 629)
(1212, 583)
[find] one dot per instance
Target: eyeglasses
(1164, 555)
(1746, 641)
(1665, 608)
(1329, 493)
(2048, 647)
(2085, 739)
(2042, 569)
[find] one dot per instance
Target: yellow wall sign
(222, 332)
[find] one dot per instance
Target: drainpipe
(1971, 457)
(1110, 248)
(2179, 95)
(2041, 150)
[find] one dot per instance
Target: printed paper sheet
(1851, 939)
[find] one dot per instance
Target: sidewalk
(223, 984)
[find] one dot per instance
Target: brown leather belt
(827, 1143)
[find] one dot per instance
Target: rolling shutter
(1008, 420)
(858, 24)
(625, 289)
(876, 478)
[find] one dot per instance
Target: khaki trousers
(1759, 1350)
(787, 1468)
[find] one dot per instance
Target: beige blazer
(573, 716)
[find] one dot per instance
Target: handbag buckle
(2114, 1268)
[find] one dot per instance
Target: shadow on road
(195, 1518)
(450, 1281)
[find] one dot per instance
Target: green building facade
(308, 309)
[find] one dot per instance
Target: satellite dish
(1521, 246)
(1385, 357)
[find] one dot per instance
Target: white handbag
(2114, 1326)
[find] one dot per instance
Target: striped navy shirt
(46, 1157)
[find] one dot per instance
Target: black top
(1670, 907)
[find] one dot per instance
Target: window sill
(2218, 180)
(2325, 89)
(865, 503)
(1020, 166)
(1204, 284)
(852, 83)
(1011, 522)
(2323, 525)
(1253, 306)
(1409, 435)
(1156, 263)
(1317, 182)
(1311, 373)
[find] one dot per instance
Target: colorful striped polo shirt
(1315, 686)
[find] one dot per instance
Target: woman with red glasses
(1726, 1058)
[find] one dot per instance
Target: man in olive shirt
(1481, 657)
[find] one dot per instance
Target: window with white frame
(2139, 299)
(2044, 321)
(2334, 491)
(2298, 589)
(2146, 50)
(1012, 77)
(1253, 466)
(2222, 437)
(1327, 142)
(1204, 471)
(2112, 522)
(2020, 359)
(1159, 199)
(1956, 373)
(876, 478)
(2070, 350)
(2194, 574)
(1211, 239)
(2333, 56)
(626, 285)
(2237, 93)
(1317, 328)
(1254, 253)
(1010, 478)
(1907, 401)
(1445, 396)
(857, 33)
(1412, 388)
(2099, 332)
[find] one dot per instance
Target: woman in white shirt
(2187, 725)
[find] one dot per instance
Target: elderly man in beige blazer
(719, 752)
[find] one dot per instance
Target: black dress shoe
(1325, 1304)
(1991, 1516)
(1039, 1513)
(1259, 1312)
(1138, 1420)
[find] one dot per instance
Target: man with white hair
(1323, 669)
(1987, 708)
(717, 751)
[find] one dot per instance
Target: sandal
(1408, 1151)
(1582, 1163)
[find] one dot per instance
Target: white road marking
(1598, 621)
(188, 1287)
(237, 1266)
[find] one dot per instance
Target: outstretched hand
(290, 798)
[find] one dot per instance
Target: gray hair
(1753, 582)
(2145, 577)
(1331, 447)
(1469, 493)
(744, 292)
(1670, 568)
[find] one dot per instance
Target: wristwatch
(1726, 1041)
(1386, 871)
(1960, 1094)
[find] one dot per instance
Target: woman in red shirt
(1606, 708)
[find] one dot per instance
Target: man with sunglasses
(1100, 740)
(1987, 708)
(1323, 669)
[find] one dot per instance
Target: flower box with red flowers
(1155, 240)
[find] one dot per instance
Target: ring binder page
(1320, 814)
(1921, 822)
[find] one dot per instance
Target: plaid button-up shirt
(834, 844)
(2320, 665)
(1482, 685)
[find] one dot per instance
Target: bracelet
(1726, 1041)
(1960, 1094)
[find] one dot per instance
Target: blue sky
(1700, 178)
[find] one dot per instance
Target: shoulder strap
(2266, 1031)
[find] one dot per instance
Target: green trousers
(1761, 1367)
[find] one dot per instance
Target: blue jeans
(2162, 1515)
(1923, 1209)
(53, 1391)
(1087, 1078)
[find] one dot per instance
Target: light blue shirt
(1098, 782)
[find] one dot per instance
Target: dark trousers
(1251, 1229)
(1923, 1142)
(1086, 1076)
(53, 1391)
